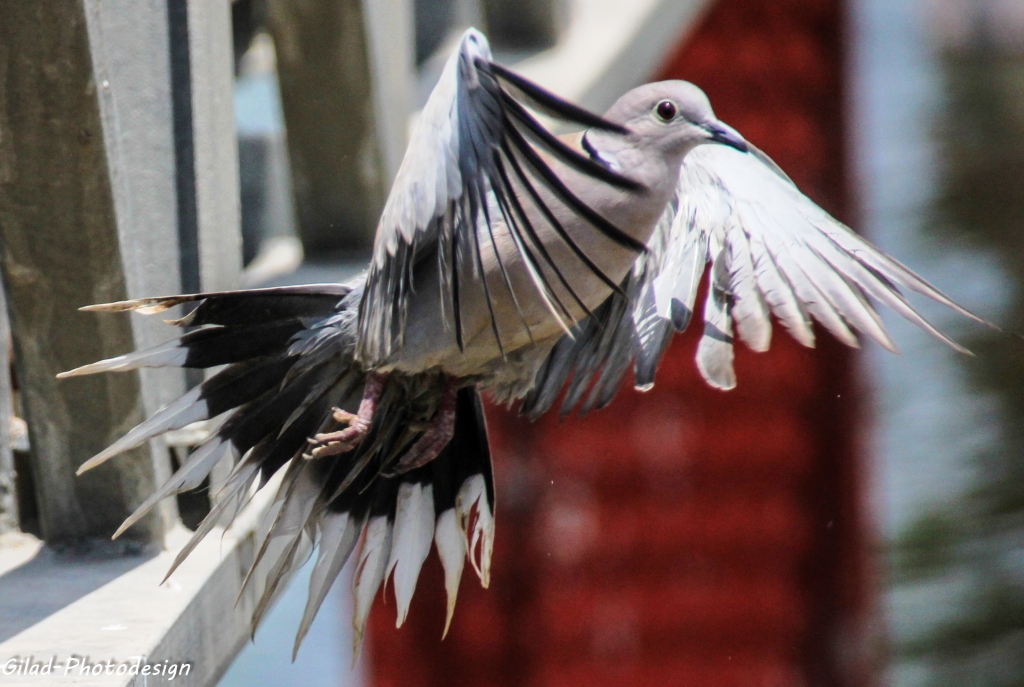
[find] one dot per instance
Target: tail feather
(289, 356)
(232, 499)
(293, 504)
(292, 550)
(210, 346)
(217, 345)
(189, 476)
(474, 498)
(180, 413)
(226, 390)
(414, 531)
(250, 305)
(373, 558)
(170, 354)
(451, 549)
(339, 533)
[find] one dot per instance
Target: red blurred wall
(685, 536)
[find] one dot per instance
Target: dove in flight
(506, 260)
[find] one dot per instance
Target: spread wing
(474, 138)
(770, 251)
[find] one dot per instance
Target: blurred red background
(685, 536)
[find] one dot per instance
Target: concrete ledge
(76, 609)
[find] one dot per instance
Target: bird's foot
(438, 432)
(342, 441)
(345, 440)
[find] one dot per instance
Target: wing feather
(772, 251)
(749, 308)
(471, 130)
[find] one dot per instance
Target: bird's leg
(437, 435)
(344, 440)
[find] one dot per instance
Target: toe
(342, 416)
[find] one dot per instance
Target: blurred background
(842, 519)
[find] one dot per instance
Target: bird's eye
(665, 110)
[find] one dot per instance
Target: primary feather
(770, 250)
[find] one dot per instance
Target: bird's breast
(535, 281)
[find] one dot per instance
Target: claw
(332, 449)
(345, 440)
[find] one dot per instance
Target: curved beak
(726, 135)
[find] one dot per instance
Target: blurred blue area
(928, 422)
(258, 104)
(268, 212)
(938, 130)
(325, 659)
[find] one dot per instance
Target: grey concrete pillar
(525, 24)
(346, 74)
(89, 209)
(86, 215)
(8, 496)
(215, 144)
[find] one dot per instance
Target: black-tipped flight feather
(472, 128)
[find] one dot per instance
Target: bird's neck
(656, 169)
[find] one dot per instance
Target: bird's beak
(726, 135)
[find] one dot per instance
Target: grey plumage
(506, 260)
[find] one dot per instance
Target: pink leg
(439, 432)
(344, 440)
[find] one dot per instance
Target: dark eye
(666, 110)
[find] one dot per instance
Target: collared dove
(510, 260)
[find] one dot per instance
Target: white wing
(771, 251)
(470, 141)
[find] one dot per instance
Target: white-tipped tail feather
(189, 476)
(450, 541)
(339, 533)
(476, 519)
(414, 530)
(169, 354)
(368, 575)
(181, 413)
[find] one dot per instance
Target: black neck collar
(592, 151)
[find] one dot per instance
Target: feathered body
(508, 260)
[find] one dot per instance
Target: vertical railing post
(346, 74)
(215, 144)
(8, 496)
(207, 144)
(99, 160)
(87, 214)
(525, 23)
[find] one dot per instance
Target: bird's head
(673, 117)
